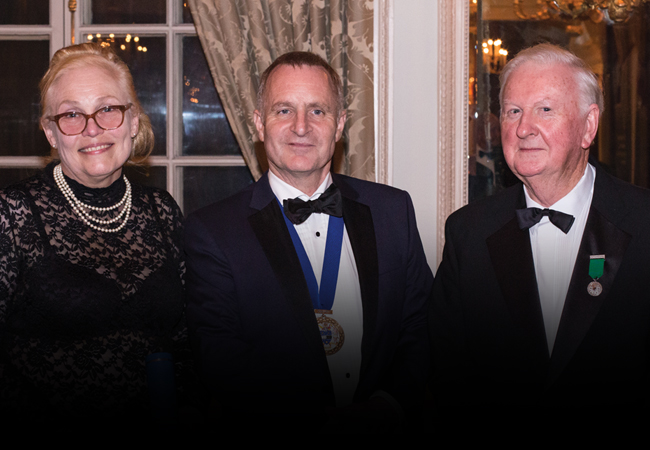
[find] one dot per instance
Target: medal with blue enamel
(322, 298)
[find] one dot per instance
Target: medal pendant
(596, 270)
(594, 288)
(330, 332)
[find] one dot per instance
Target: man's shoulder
(229, 209)
(367, 191)
(500, 206)
(620, 202)
(630, 192)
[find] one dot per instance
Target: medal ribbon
(323, 298)
(596, 266)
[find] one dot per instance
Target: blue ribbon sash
(323, 298)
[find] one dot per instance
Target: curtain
(240, 39)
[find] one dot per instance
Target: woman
(90, 265)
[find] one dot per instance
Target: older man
(542, 295)
(308, 289)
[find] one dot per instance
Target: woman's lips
(95, 148)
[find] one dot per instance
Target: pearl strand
(67, 191)
(80, 207)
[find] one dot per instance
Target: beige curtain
(241, 38)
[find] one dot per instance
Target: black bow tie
(527, 217)
(329, 202)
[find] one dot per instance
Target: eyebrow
(106, 100)
(280, 105)
(507, 100)
(319, 105)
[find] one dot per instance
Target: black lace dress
(80, 309)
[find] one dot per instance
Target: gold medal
(330, 332)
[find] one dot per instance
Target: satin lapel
(512, 260)
(361, 231)
(272, 234)
(600, 237)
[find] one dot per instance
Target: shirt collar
(283, 190)
(574, 202)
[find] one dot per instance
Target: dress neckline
(104, 196)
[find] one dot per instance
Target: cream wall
(415, 112)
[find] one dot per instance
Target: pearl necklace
(82, 209)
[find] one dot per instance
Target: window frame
(55, 35)
(59, 32)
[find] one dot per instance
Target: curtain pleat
(240, 39)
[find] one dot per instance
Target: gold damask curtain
(241, 38)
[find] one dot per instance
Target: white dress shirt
(347, 310)
(554, 253)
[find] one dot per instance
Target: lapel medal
(596, 269)
(331, 332)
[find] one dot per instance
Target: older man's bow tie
(527, 217)
(329, 202)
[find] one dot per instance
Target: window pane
(146, 58)
(187, 13)
(11, 176)
(155, 176)
(23, 64)
(206, 130)
(205, 185)
(25, 12)
(128, 11)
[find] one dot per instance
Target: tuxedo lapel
(271, 231)
(361, 231)
(601, 237)
(512, 260)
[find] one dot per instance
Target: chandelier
(617, 11)
(494, 56)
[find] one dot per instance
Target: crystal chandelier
(617, 11)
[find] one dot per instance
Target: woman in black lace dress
(91, 267)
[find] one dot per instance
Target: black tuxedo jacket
(488, 338)
(250, 316)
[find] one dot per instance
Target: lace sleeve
(191, 393)
(12, 211)
(171, 218)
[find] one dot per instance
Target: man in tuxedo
(541, 299)
(307, 291)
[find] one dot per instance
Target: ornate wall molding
(450, 23)
(384, 91)
(453, 32)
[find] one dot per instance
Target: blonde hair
(94, 54)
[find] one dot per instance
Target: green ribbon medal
(596, 269)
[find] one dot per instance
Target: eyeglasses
(107, 118)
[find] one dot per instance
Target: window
(196, 156)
